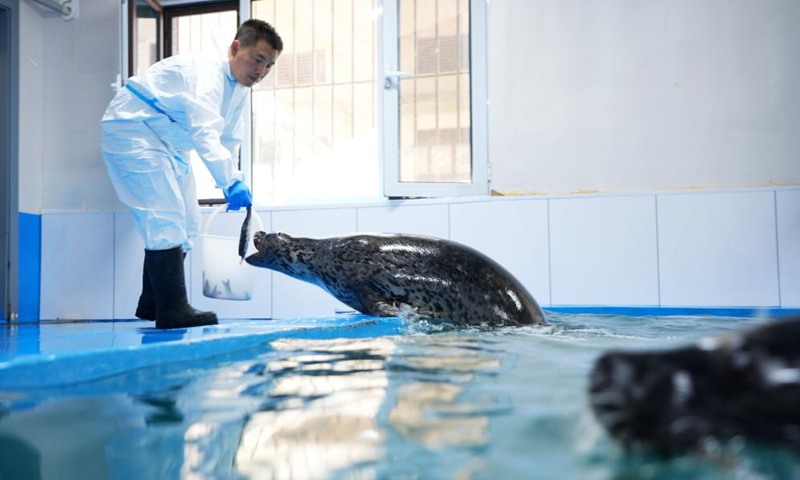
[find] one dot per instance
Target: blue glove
(238, 196)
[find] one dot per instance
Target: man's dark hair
(254, 30)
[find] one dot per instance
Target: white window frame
(388, 104)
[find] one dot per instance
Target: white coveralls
(182, 103)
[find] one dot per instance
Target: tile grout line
(549, 255)
(777, 246)
(114, 269)
(658, 254)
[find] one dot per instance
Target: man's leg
(147, 180)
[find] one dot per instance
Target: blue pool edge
(70, 367)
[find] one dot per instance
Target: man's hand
(238, 196)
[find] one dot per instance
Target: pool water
(428, 403)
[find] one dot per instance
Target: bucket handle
(254, 216)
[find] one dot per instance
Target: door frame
(181, 10)
(131, 33)
(10, 203)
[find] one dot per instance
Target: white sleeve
(234, 133)
(206, 126)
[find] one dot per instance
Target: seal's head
(654, 400)
(282, 252)
(743, 384)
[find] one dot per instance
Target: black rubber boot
(165, 270)
(146, 308)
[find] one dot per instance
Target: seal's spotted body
(380, 274)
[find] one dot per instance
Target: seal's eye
(258, 239)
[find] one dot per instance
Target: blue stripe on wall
(30, 272)
(747, 312)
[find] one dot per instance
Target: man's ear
(235, 47)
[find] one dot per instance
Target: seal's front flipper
(368, 301)
(387, 309)
(381, 306)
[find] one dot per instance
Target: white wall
(81, 61)
(726, 248)
(31, 107)
(66, 71)
(618, 95)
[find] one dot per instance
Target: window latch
(391, 79)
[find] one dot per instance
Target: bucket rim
(254, 217)
(219, 237)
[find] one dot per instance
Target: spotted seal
(743, 384)
(385, 274)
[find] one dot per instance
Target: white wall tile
(603, 251)
(431, 220)
(718, 249)
(788, 204)
(128, 261)
(512, 232)
(295, 298)
(77, 266)
(715, 249)
(228, 225)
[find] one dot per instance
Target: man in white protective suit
(182, 103)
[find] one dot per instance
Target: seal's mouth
(265, 243)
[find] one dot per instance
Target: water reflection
(293, 409)
(341, 402)
(46, 442)
(427, 413)
(329, 394)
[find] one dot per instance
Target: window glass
(147, 36)
(435, 96)
(314, 116)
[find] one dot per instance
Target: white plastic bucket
(225, 276)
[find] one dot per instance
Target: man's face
(251, 64)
